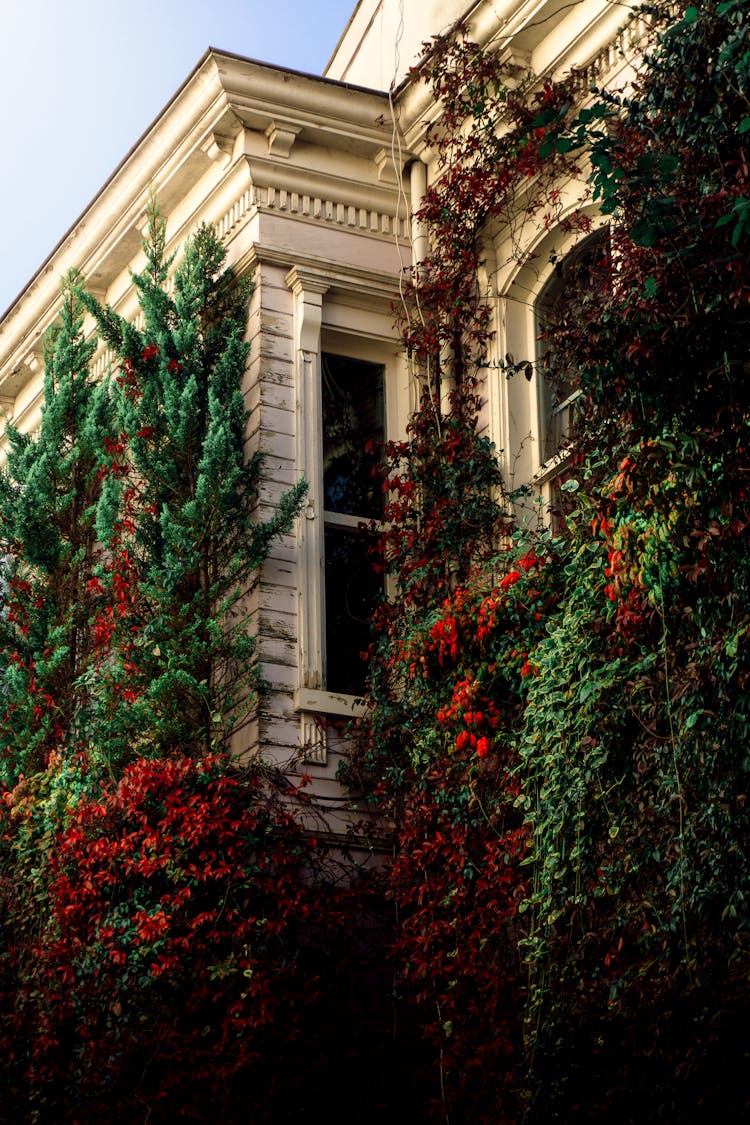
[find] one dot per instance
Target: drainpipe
(417, 187)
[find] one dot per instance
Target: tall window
(560, 310)
(353, 392)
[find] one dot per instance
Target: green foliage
(49, 490)
(670, 168)
(152, 913)
(573, 711)
(179, 509)
(131, 528)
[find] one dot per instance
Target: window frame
(326, 321)
(516, 405)
(552, 414)
(360, 524)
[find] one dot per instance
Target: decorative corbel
(219, 148)
(314, 740)
(388, 172)
(487, 272)
(33, 362)
(281, 137)
(141, 222)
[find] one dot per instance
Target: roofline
(210, 52)
(290, 70)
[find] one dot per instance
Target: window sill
(553, 467)
(317, 702)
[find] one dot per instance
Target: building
(312, 182)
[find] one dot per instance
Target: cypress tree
(179, 512)
(49, 491)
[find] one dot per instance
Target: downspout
(417, 188)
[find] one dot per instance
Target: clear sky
(80, 81)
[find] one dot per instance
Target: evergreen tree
(179, 512)
(132, 537)
(49, 490)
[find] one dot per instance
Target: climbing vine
(558, 716)
(558, 720)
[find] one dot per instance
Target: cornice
(550, 37)
(355, 183)
(337, 114)
(192, 152)
(354, 213)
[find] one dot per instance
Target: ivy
(558, 723)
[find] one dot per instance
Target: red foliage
(180, 953)
(458, 887)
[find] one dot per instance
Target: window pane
(353, 415)
(353, 590)
(560, 309)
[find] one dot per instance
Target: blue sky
(80, 80)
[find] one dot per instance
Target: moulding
(232, 220)
(336, 114)
(329, 211)
(343, 178)
(312, 198)
(550, 37)
(223, 93)
(368, 284)
(306, 279)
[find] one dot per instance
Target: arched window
(562, 307)
(538, 292)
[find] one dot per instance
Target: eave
(230, 114)
(548, 37)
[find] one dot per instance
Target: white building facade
(312, 182)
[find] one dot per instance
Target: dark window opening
(353, 434)
(567, 299)
(353, 430)
(353, 589)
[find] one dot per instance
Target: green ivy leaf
(645, 233)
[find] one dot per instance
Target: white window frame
(516, 406)
(323, 322)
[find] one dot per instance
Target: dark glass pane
(353, 415)
(561, 424)
(353, 590)
(563, 304)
